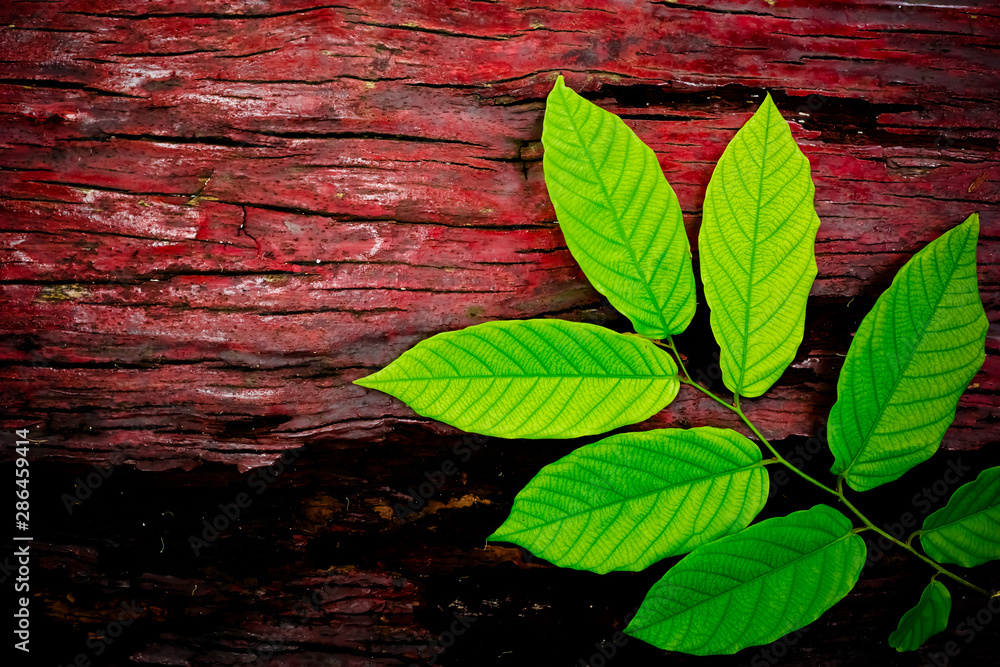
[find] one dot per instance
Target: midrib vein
(759, 576)
(614, 211)
(753, 256)
(530, 377)
(624, 499)
(905, 366)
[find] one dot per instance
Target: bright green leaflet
(532, 379)
(621, 219)
(756, 243)
(911, 359)
(928, 618)
(753, 587)
(632, 499)
(966, 531)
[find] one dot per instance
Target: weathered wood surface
(244, 207)
(215, 215)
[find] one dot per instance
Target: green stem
(782, 459)
(906, 545)
(838, 492)
(680, 362)
(760, 436)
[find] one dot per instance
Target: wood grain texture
(246, 206)
(214, 215)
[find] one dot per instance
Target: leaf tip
(368, 381)
(558, 95)
(633, 629)
(559, 88)
(500, 534)
(969, 227)
(768, 103)
(973, 221)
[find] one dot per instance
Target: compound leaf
(756, 243)
(629, 500)
(911, 359)
(966, 531)
(621, 219)
(532, 379)
(928, 618)
(753, 587)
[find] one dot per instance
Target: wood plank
(214, 215)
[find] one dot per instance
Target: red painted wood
(220, 203)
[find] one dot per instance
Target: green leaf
(753, 587)
(911, 359)
(632, 499)
(756, 243)
(966, 531)
(621, 219)
(532, 379)
(928, 618)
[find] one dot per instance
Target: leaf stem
(746, 420)
(906, 545)
(782, 459)
(680, 362)
(838, 492)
